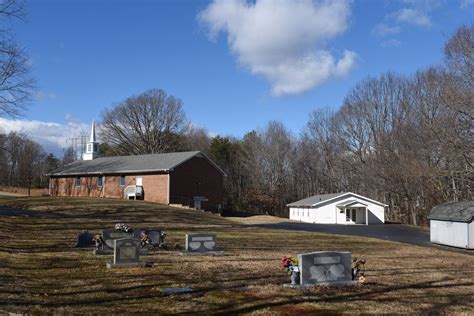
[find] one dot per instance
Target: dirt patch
(258, 219)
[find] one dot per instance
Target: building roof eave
(59, 175)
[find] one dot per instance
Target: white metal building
(452, 224)
(338, 208)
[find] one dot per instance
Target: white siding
(471, 235)
(295, 213)
(331, 214)
(450, 233)
(326, 214)
(341, 216)
(376, 212)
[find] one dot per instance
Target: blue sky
(235, 65)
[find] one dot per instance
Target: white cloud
(43, 96)
(466, 4)
(390, 43)
(414, 17)
(410, 13)
(53, 136)
(282, 40)
(383, 29)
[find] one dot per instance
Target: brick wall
(155, 187)
(66, 186)
(197, 177)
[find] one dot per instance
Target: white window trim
(101, 181)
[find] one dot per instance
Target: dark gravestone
(155, 237)
(85, 239)
(176, 290)
(126, 253)
(137, 233)
(110, 235)
(126, 250)
(202, 244)
(325, 268)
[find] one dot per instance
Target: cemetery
(112, 256)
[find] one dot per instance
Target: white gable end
(347, 209)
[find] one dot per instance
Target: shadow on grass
(466, 299)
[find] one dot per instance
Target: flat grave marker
(176, 290)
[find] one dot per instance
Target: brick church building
(184, 178)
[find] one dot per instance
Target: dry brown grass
(258, 219)
(41, 271)
(23, 191)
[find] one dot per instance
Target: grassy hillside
(42, 272)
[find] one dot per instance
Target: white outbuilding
(338, 208)
(452, 224)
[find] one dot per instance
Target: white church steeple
(92, 148)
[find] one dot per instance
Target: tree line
(403, 140)
(23, 162)
(406, 140)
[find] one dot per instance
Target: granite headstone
(126, 250)
(155, 237)
(126, 253)
(110, 235)
(201, 244)
(325, 268)
(85, 239)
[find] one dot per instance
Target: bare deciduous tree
(151, 122)
(459, 58)
(16, 84)
(23, 161)
(197, 138)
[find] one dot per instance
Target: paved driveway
(393, 232)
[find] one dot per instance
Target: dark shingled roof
(129, 164)
(315, 199)
(453, 211)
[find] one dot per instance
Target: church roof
(130, 164)
(310, 201)
(322, 199)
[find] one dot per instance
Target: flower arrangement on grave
(162, 237)
(123, 227)
(99, 242)
(291, 266)
(358, 270)
(145, 240)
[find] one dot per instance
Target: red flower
(285, 262)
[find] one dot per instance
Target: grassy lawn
(42, 272)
